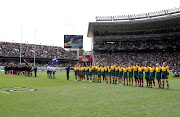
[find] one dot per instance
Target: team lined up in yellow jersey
(115, 74)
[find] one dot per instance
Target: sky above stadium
(54, 18)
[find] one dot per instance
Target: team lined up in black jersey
(18, 69)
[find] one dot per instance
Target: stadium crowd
(136, 33)
(138, 44)
(42, 51)
(172, 58)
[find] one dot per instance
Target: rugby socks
(163, 85)
(154, 82)
(115, 81)
(159, 83)
(132, 81)
(106, 80)
(129, 81)
(167, 86)
(147, 83)
(150, 84)
(167, 83)
(119, 81)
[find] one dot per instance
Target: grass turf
(61, 98)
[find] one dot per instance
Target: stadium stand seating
(42, 51)
(139, 44)
(144, 39)
(125, 58)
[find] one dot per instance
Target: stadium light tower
(20, 45)
(35, 48)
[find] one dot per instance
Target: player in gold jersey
(84, 73)
(130, 71)
(113, 72)
(99, 74)
(103, 73)
(158, 74)
(87, 73)
(116, 73)
(135, 69)
(120, 74)
(76, 73)
(80, 73)
(125, 70)
(109, 74)
(93, 73)
(96, 72)
(79, 69)
(152, 75)
(90, 73)
(146, 69)
(165, 74)
(140, 75)
(106, 73)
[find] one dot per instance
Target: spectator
(27, 50)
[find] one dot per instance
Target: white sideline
(4, 92)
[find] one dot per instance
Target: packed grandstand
(13, 49)
(145, 38)
(10, 52)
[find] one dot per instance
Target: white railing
(166, 12)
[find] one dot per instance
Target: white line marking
(4, 92)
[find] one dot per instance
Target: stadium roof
(159, 22)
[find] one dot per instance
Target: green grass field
(61, 98)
